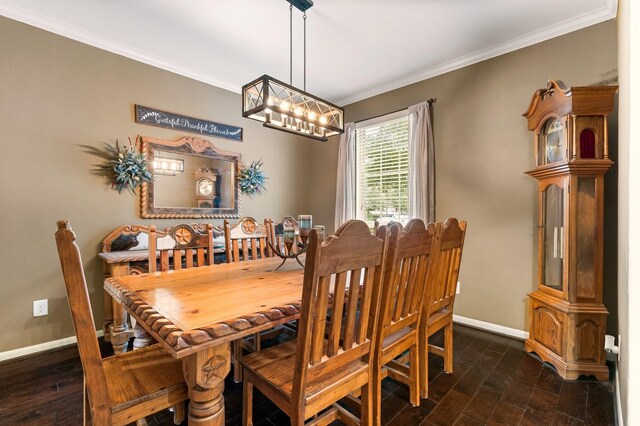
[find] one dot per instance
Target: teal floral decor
(251, 179)
(126, 166)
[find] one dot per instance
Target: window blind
(382, 170)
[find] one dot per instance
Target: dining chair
(437, 310)
(309, 374)
(125, 387)
(245, 240)
(404, 284)
(180, 243)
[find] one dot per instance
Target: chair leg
(423, 364)
(414, 381)
(179, 413)
(256, 342)
(237, 367)
(142, 422)
(85, 401)
(372, 397)
(367, 415)
(448, 348)
(247, 403)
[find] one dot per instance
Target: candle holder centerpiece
(290, 240)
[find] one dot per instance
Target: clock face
(205, 187)
(554, 139)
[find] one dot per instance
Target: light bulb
(298, 111)
(174, 166)
(284, 105)
(312, 115)
(323, 120)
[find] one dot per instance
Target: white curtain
(422, 177)
(346, 179)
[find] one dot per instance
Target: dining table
(196, 313)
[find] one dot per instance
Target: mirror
(191, 179)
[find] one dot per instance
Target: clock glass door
(552, 142)
(553, 237)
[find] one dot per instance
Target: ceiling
(355, 48)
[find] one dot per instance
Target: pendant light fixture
(282, 106)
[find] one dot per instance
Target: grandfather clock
(205, 187)
(567, 317)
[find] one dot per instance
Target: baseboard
(616, 396)
(29, 350)
(493, 328)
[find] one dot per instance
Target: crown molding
(54, 26)
(606, 12)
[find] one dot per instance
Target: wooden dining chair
(180, 246)
(437, 310)
(125, 387)
(408, 260)
(245, 240)
(307, 375)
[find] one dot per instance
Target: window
(382, 169)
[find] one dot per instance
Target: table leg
(119, 330)
(115, 317)
(204, 373)
(108, 315)
(141, 337)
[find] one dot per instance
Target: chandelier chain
(304, 86)
(290, 43)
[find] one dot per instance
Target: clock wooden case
(567, 317)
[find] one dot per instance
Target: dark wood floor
(494, 382)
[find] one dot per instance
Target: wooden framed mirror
(191, 179)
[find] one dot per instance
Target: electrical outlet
(458, 288)
(40, 308)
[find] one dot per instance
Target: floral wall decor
(251, 179)
(125, 166)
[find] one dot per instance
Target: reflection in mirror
(192, 179)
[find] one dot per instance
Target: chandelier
(167, 166)
(282, 106)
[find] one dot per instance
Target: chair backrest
(82, 316)
(353, 259)
(180, 242)
(405, 277)
(245, 240)
(275, 233)
(443, 274)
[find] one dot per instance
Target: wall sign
(154, 117)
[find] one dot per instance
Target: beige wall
(629, 209)
(482, 149)
(57, 94)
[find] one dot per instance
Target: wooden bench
(125, 251)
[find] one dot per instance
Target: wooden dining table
(195, 313)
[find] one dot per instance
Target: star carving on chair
(248, 227)
(183, 236)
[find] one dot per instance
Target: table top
(189, 309)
